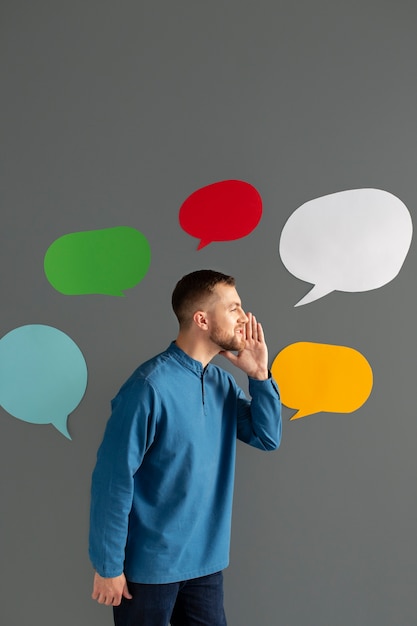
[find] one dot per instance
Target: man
(163, 484)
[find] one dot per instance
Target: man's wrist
(262, 375)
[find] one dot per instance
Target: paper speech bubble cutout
(106, 261)
(43, 375)
(354, 240)
(316, 377)
(223, 211)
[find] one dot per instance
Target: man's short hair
(191, 291)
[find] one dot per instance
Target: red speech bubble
(223, 211)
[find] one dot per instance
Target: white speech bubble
(354, 240)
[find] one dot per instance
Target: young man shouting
(163, 485)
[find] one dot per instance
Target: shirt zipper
(203, 397)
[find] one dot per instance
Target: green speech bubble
(106, 261)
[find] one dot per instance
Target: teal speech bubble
(43, 375)
(106, 261)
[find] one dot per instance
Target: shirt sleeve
(129, 433)
(259, 421)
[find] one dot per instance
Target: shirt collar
(184, 359)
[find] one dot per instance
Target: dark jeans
(196, 602)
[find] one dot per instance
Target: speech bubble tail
(61, 426)
(302, 413)
(298, 415)
(314, 294)
(202, 244)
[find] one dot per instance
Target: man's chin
(238, 345)
(242, 345)
(233, 346)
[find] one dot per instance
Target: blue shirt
(162, 487)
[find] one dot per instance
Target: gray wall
(112, 114)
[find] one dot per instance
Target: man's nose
(243, 317)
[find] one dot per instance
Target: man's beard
(225, 341)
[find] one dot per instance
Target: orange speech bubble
(315, 377)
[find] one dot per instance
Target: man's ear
(200, 318)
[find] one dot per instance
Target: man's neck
(197, 350)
